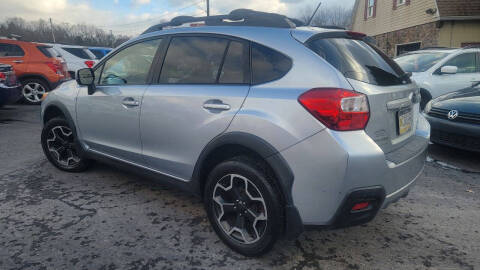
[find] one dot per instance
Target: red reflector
(89, 63)
(356, 35)
(338, 109)
(2, 75)
(360, 206)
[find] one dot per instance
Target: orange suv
(36, 65)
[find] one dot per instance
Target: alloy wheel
(240, 209)
(33, 92)
(60, 143)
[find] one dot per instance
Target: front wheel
(33, 91)
(61, 147)
(243, 206)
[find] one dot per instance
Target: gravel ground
(110, 219)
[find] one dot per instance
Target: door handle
(216, 106)
(130, 102)
(17, 61)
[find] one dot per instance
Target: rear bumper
(9, 95)
(455, 134)
(330, 166)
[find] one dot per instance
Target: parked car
(267, 122)
(99, 52)
(455, 119)
(36, 65)
(77, 57)
(9, 86)
(440, 71)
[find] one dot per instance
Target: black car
(455, 119)
(10, 91)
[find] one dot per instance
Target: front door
(466, 74)
(108, 119)
(203, 83)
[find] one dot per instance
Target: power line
(155, 18)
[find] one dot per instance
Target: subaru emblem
(452, 114)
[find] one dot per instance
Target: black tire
(256, 173)
(31, 99)
(426, 97)
(74, 161)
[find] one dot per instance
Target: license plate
(404, 121)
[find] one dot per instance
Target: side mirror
(86, 77)
(449, 70)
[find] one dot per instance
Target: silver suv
(275, 126)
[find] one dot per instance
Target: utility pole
(111, 38)
(208, 8)
(51, 27)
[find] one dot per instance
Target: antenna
(313, 15)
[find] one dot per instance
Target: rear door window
(359, 60)
(78, 52)
(268, 64)
(10, 50)
(193, 60)
(235, 66)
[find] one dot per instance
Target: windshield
(419, 62)
(359, 60)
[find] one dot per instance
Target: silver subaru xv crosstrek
(276, 126)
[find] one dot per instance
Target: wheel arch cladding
(55, 109)
(238, 143)
(36, 77)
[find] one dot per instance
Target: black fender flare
(38, 76)
(280, 167)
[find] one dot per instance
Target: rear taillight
(2, 76)
(57, 68)
(89, 63)
(338, 109)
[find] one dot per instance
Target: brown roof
(449, 8)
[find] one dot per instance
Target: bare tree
(328, 15)
(78, 34)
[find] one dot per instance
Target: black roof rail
(436, 48)
(238, 17)
(471, 47)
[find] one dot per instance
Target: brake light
(89, 63)
(55, 67)
(2, 76)
(338, 109)
(356, 35)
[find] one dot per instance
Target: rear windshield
(419, 62)
(47, 51)
(359, 60)
(78, 52)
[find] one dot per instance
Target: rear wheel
(33, 90)
(61, 147)
(243, 207)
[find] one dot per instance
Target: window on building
(400, 2)
(370, 8)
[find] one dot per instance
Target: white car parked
(76, 57)
(438, 71)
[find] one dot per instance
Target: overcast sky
(133, 16)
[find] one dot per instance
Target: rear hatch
(393, 98)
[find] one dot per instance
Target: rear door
(203, 83)
(14, 55)
(392, 97)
